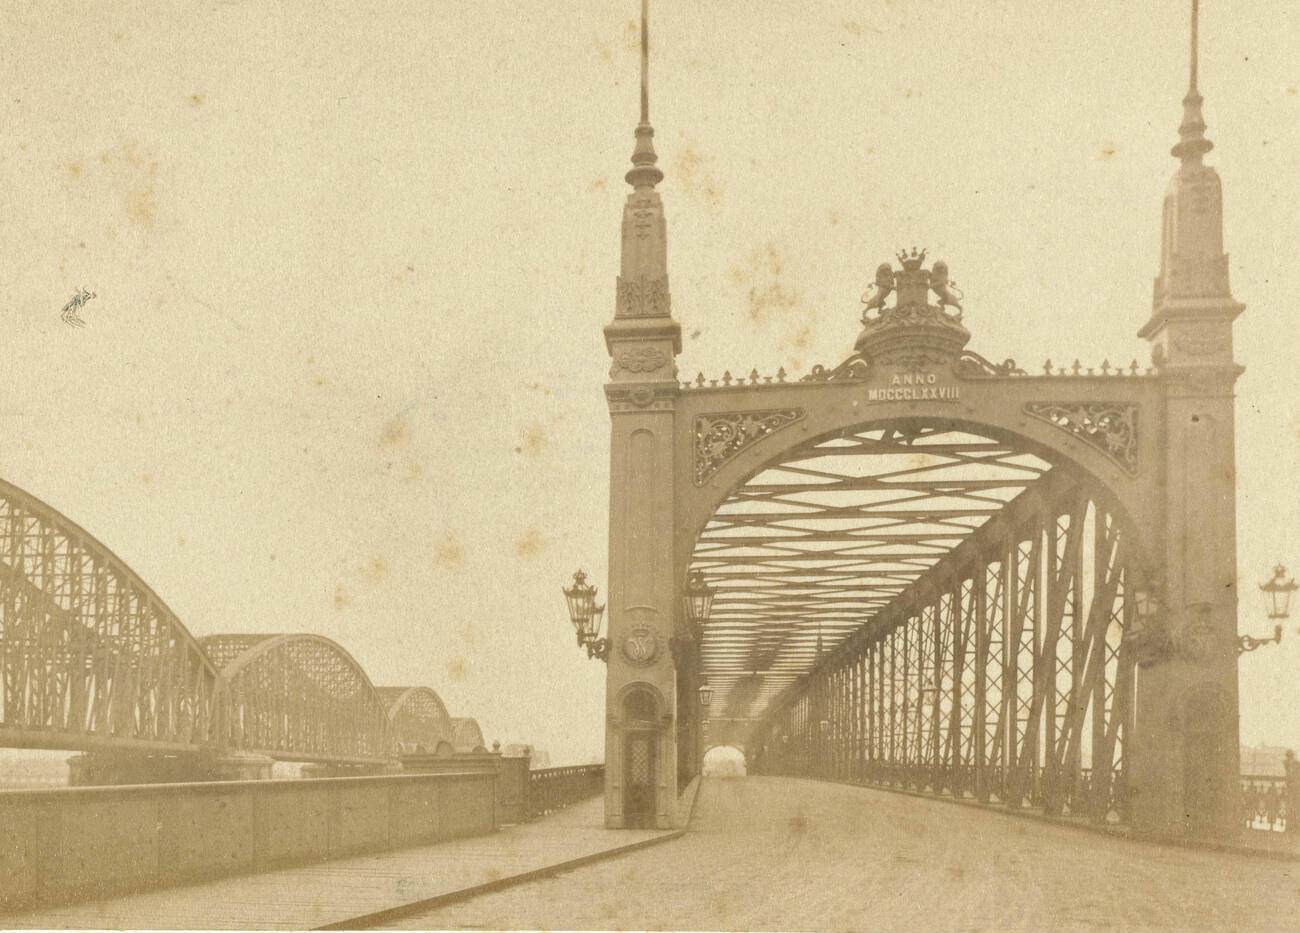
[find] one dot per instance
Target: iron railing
(553, 789)
(1264, 803)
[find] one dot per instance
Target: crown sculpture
(913, 333)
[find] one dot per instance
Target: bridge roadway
(785, 854)
(761, 854)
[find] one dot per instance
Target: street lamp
(586, 616)
(698, 598)
(1279, 590)
(706, 695)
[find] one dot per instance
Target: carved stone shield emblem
(641, 646)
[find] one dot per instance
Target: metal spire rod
(643, 173)
(1192, 143)
(645, 60)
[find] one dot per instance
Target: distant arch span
(417, 719)
(466, 735)
(297, 698)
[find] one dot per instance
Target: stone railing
(553, 789)
(1264, 803)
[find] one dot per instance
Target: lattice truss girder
(88, 654)
(1004, 675)
(297, 697)
(812, 548)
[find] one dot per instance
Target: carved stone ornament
(641, 646)
(913, 333)
(1109, 426)
(640, 359)
(658, 396)
(643, 297)
(720, 437)
(1198, 641)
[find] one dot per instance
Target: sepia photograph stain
(530, 545)
(447, 552)
(762, 279)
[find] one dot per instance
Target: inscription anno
(915, 387)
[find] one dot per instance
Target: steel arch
(90, 656)
(417, 719)
(297, 697)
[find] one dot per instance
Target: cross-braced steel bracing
(819, 543)
(89, 655)
(1002, 674)
(297, 697)
(418, 720)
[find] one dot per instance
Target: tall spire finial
(645, 61)
(643, 173)
(1192, 143)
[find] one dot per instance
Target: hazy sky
(343, 369)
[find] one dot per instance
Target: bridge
(92, 660)
(932, 603)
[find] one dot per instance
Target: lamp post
(586, 617)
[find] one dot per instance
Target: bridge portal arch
(723, 761)
(994, 648)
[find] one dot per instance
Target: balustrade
(553, 789)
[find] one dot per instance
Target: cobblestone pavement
(782, 854)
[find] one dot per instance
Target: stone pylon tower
(644, 593)
(1187, 722)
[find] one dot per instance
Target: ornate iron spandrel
(720, 437)
(1109, 426)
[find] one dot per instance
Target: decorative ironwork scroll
(972, 365)
(718, 438)
(1110, 427)
(855, 368)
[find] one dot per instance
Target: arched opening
(927, 603)
(724, 761)
(640, 756)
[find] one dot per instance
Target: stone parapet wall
(70, 844)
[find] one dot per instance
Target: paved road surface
(780, 854)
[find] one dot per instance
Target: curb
(375, 918)
(1127, 835)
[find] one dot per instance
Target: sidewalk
(366, 890)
